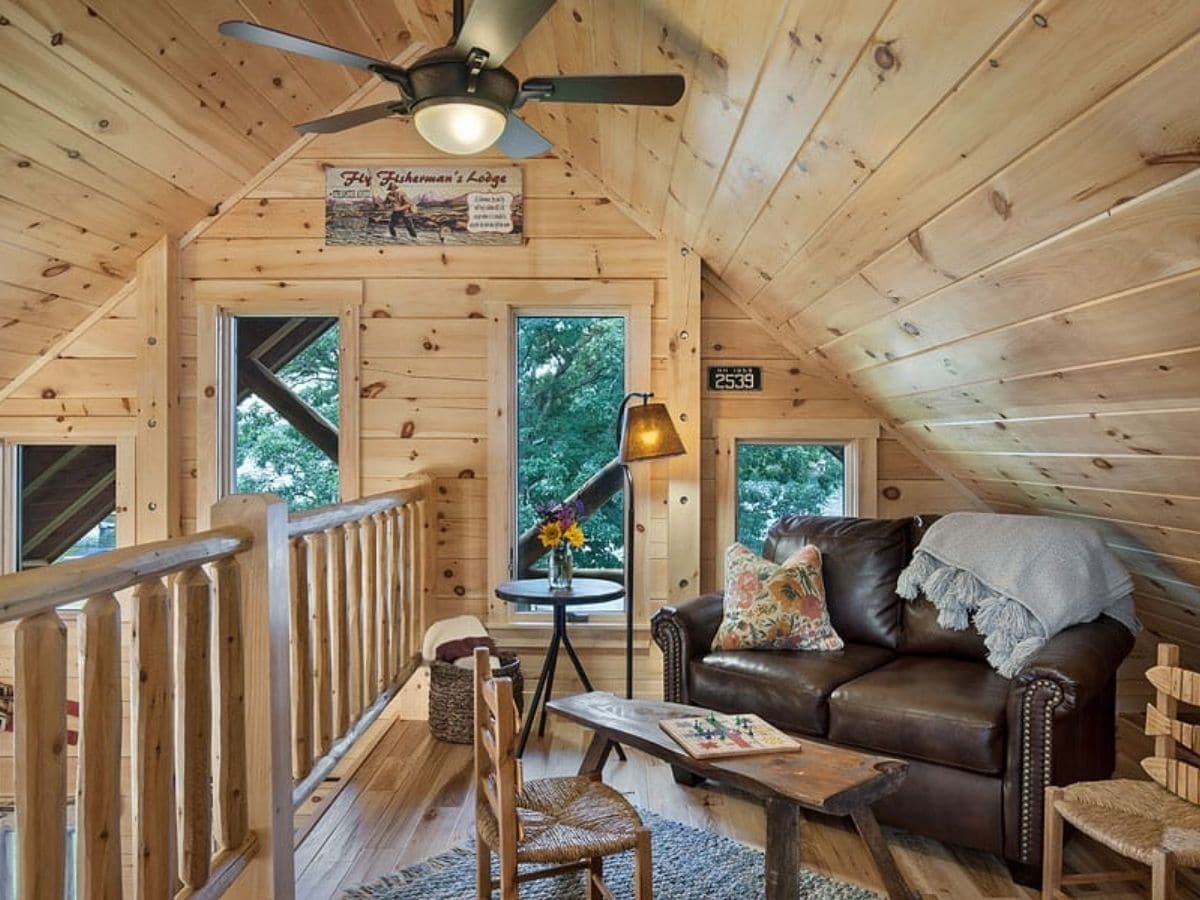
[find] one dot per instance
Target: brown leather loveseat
(981, 748)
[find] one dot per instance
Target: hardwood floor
(411, 798)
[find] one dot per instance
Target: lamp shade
(647, 432)
(461, 127)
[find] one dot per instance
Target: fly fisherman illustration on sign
(402, 209)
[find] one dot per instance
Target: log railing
(358, 575)
(205, 613)
(237, 633)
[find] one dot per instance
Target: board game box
(717, 735)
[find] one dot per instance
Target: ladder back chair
(1156, 823)
(564, 824)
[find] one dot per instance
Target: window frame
(121, 440)
(215, 426)
(859, 436)
(631, 300)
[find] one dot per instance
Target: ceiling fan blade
(290, 43)
(519, 141)
(350, 118)
(497, 26)
(630, 90)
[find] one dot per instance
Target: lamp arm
(645, 395)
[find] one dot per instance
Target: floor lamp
(646, 432)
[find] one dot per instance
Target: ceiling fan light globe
(459, 127)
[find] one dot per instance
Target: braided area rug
(689, 864)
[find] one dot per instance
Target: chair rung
(489, 792)
(489, 743)
(562, 869)
(1103, 877)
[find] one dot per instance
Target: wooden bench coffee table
(821, 777)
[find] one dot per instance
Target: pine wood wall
(423, 342)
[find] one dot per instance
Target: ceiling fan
(461, 98)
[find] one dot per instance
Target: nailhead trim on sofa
(1033, 792)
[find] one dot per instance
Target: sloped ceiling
(984, 217)
(124, 120)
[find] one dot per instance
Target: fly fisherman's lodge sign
(386, 205)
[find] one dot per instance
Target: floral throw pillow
(770, 606)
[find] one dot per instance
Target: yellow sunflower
(574, 535)
(550, 534)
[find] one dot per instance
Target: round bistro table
(537, 591)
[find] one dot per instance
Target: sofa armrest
(683, 633)
(1061, 725)
(1080, 662)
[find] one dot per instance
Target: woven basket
(452, 697)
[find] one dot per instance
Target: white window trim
(633, 300)
(214, 410)
(122, 440)
(860, 436)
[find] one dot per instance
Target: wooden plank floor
(412, 798)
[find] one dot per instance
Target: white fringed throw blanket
(1019, 579)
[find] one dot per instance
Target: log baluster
(231, 773)
(153, 744)
(420, 561)
(339, 609)
(370, 608)
(401, 551)
(394, 624)
(302, 663)
(383, 611)
(41, 760)
(411, 584)
(193, 724)
(354, 619)
(98, 783)
(318, 609)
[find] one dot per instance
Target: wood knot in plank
(885, 58)
(1002, 205)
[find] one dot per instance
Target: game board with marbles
(717, 735)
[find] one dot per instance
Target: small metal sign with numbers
(735, 378)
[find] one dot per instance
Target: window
(569, 379)
(64, 500)
(287, 408)
(779, 479)
(535, 326)
(769, 468)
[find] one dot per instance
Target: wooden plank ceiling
(128, 119)
(983, 216)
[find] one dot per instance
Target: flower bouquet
(560, 529)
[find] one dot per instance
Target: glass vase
(562, 567)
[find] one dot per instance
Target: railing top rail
(323, 518)
(35, 591)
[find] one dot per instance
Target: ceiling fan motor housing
(440, 78)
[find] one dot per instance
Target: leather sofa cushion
(788, 688)
(920, 633)
(862, 560)
(952, 712)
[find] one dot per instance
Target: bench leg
(881, 854)
(783, 849)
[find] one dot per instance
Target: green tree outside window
(776, 480)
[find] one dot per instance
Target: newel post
(265, 633)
